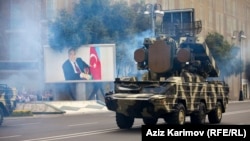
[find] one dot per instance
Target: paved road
(93, 127)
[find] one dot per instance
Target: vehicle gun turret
(163, 56)
(177, 63)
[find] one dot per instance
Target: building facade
(23, 33)
(225, 17)
(20, 43)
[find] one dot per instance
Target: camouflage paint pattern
(177, 69)
(8, 97)
(187, 89)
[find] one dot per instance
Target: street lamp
(240, 35)
(153, 9)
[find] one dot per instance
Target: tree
(94, 21)
(224, 54)
(98, 21)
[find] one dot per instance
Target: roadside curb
(234, 101)
(57, 110)
(69, 107)
(63, 107)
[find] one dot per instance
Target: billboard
(100, 59)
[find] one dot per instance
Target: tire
(124, 122)
(1, 116)
(215, 115)
(150, 121)
(178, 117)
(200, 116)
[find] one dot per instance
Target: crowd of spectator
(24, 95)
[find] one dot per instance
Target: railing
(182, 29)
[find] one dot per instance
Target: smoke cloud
(24, 45)
(126, 65)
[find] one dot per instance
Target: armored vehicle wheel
(215, 115)
(178, 117)
(1, 116)
(200, 116)
(124, 122)
(150, 121)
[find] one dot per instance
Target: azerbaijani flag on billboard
(95, 63)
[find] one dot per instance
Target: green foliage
(93, 22)
(218, 46)
(100, 22)
(18, 113)
(224, 54)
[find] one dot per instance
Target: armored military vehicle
(8, 98)
(181, 78)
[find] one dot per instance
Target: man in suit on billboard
(74, 68)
